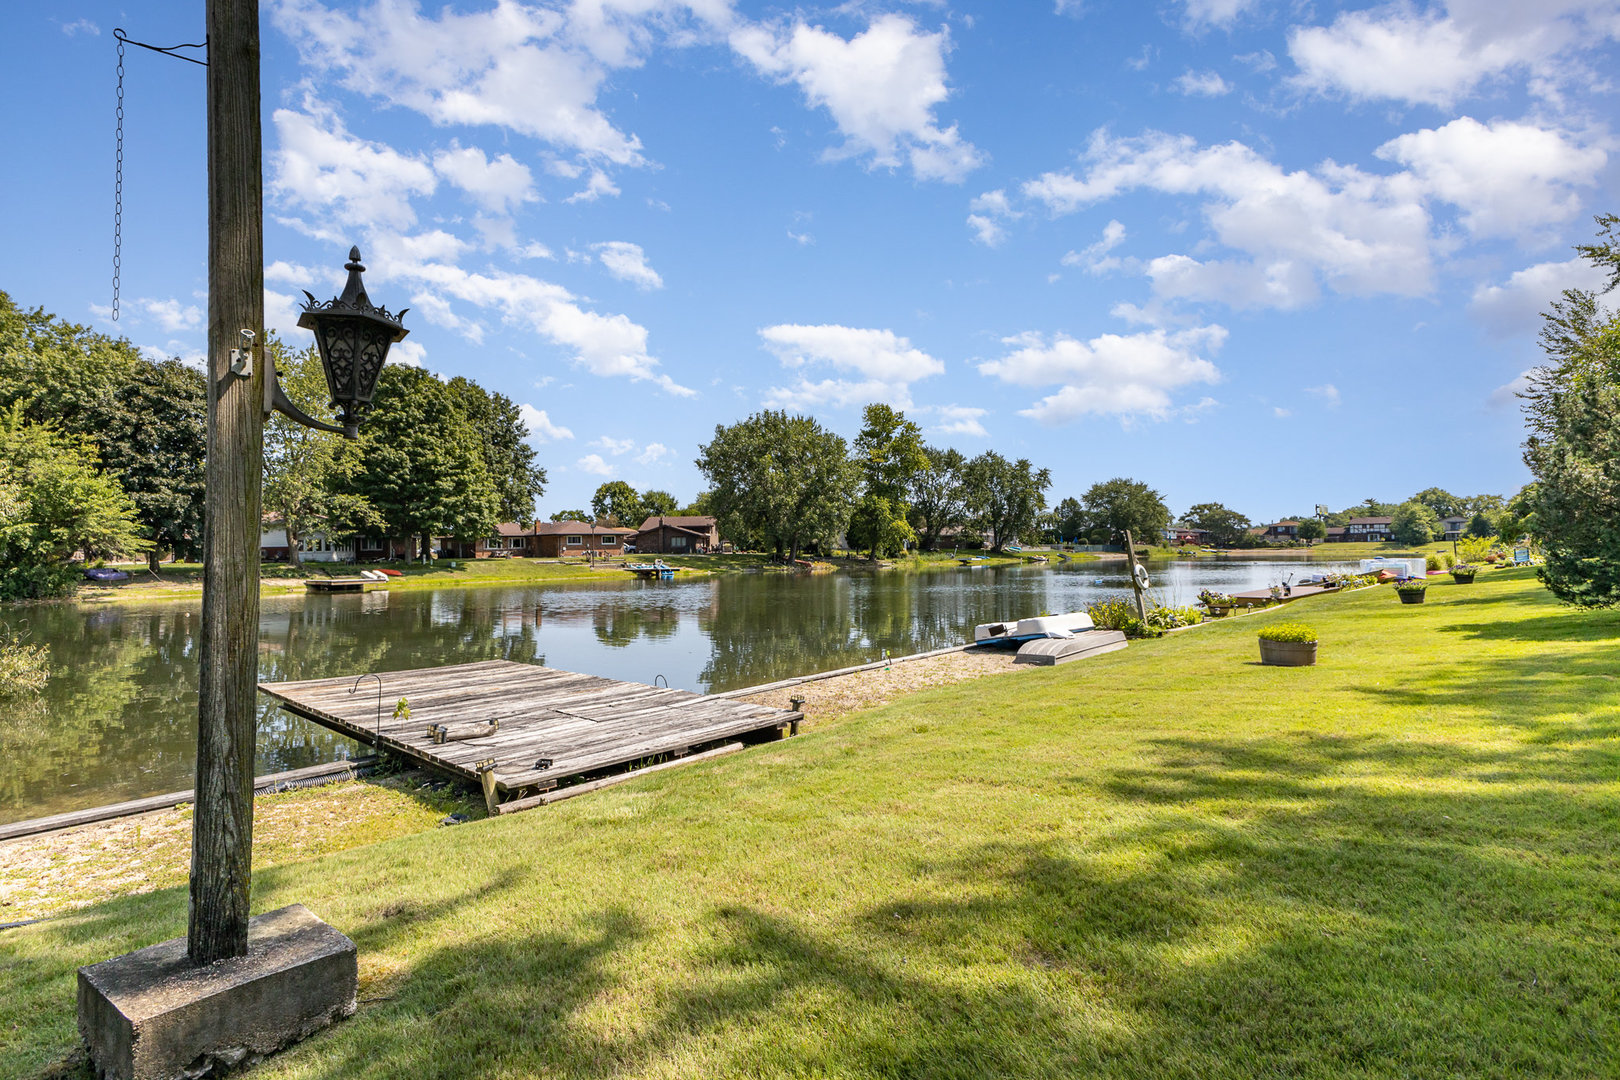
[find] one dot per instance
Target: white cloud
(171, 315)
(1327, 392)
(498, 186)
(593, 463)
(605, 345)
(409, 354)
(294, 274)
(960, 420)
(802, 239)
(281, 316)
(532, 70)
(1508, 178)
(1216, 12)
(1095, 257)
(653, 452)
(1515, 306)
(881, 88)
(1202, 84)
(886, 362)
(541, 429)
(81, 26)
(627, 262)
(1113, 374)
(319, 166)
(1358, 233)
(989, 211)
(1280, 413)
(598, 185)
(1508, 393)
(616, 447)
(1440, 55)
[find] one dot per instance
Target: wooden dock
(338, 584)
(522, 730)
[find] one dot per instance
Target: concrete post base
(151, 1015)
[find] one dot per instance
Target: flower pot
(1287, 653)
(1463, 577)
(1412, 597)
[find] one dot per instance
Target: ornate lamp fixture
(353, 337)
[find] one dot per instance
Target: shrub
(1169, 618)
(1116, 613)
(1411, 586)
(1431, 561)
(1288, 631)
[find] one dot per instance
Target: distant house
(1335, 534)
(554, 539)
(1283, 530)
(666, 534)
(1368, 529)
(1455, 525)
(1185, 534)
(313, 548)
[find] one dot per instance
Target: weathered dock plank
(578, 724)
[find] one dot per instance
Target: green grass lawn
(1163, 862)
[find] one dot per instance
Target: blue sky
(1260, 252)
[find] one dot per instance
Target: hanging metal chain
(118, 183)
(118, 153)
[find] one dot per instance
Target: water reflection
(118, 718)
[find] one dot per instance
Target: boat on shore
(1045, 626)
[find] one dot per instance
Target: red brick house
(666, 534)
(554, 539)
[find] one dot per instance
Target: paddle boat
(1046, 626)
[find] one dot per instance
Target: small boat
(972, 562)
(105, 573)
(1046, 626)
(655, 569)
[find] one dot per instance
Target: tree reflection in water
(118, 718)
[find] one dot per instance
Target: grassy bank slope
(1165, 862)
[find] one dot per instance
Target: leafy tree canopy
(938, 495)
(1311, 529)
(617, 503)
(508, 457)
(1005, 497)
(1122, 503)
(1415, 523)
(782, 478)
(420, 464)
(1442, 502)
(659, 502)
(1225, 526)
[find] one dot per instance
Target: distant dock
(522, 730)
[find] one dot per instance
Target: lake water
(118, 719)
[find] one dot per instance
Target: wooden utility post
(222, 826)
(1136, 586)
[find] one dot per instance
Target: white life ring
(1141, 576)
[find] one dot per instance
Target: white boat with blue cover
(1046, 626)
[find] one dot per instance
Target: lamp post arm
(276, 400)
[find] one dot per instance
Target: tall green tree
(308, 474)
(658, 502)
(570, 515)
(509, 459)
(1006, 497)
(1311, 529)
(1122, 503)
(784, 478)
(1572, 409)
(1225, 526)
(55, 503)
(1480, 525)
(1071, 520)
(1415, 523)
(1442, 502)
(420, 464)
(154, 440)
(62, 375)
(617, 503)
(889, 452)
(938, 495)
(880, 527)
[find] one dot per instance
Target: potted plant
(1463, 573)
(1289, 644)
(1411, 591)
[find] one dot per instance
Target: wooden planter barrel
(1288, 653)
(1411, 597)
